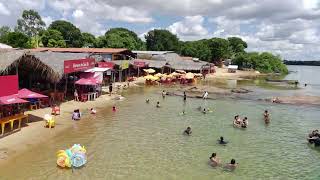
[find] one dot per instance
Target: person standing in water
(164, 94)
(266, 116)
(184, 96)
(205, 95)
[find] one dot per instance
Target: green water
(140, 141)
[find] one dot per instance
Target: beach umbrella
(87, 81)
(175, 74)
(181, 71)
(159, 75)
(150, 71)
(26, 93)
(189, 76)
(12, 99)
(148, 77)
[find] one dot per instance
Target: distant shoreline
(302, 63)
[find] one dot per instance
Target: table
(92, 96)
(11, 120)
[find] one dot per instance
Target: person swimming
(147, 100)
(222, 142)
(214, 160)
(114, 109)
(204, 111)
(232, 165)
(158, 104)
(93, 111)
(188, 131)
(244, 123)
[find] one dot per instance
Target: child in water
(222, 142)
(232, 165)
(188, 131)
(147, 100)
(93, 111)
(266, 116)
(158, 104)
(164, 94)
(114, 109)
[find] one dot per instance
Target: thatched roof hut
(49, 64)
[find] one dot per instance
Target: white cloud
(4, 10)
(191, 27)
(77, 13)
(48, 20)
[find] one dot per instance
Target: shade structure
(189, 76)
(181, 71)
(152, 78)
(26, 93)
(12, 99)
(87, 81)
(149, 70)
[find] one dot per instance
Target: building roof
(82, 50)
(152, 52)
(50, 63)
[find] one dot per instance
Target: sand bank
(296, 100)
(224, 74)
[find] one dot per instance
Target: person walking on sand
(110, 88)
(76, 95)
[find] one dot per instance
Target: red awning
(87, 81)
(139, 63)
(9, 85)
(106, 65)
(78, 65)
(12, 99)
(26, 93)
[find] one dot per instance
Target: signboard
(106, 65)
(139, 63)
(78, 65)
(125, 64)
(9, 85)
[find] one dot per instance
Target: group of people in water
(314, 138)
(240, 123)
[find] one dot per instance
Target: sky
(290, 28)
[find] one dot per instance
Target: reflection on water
(140, 141)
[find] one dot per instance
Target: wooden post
(66, 86)
(55, 87)
(138, 71)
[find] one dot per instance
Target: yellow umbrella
(181, 71)
(148, 77)
(175, 74)
(159, 75)
(189, 76)
(149, 70)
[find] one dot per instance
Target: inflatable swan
(72, 157)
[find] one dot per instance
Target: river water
(141, 142)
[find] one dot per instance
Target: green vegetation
(161, 40)
(123, 38)
(264, 62)
(30, 32)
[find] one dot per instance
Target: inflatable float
(50, 122)
(73, 157)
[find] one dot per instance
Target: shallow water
(140, 141)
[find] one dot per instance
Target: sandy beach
(34, 132)
(223, 73)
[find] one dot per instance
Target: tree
(123, 38)
(237, 45)
(17, 40)
(264, 62)
(52, 38)
(71, 34)
(100, 42)
(161, 40)
(88, 40)
(219, 50)
(199, 49)
(31, 23)
(4, 30)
